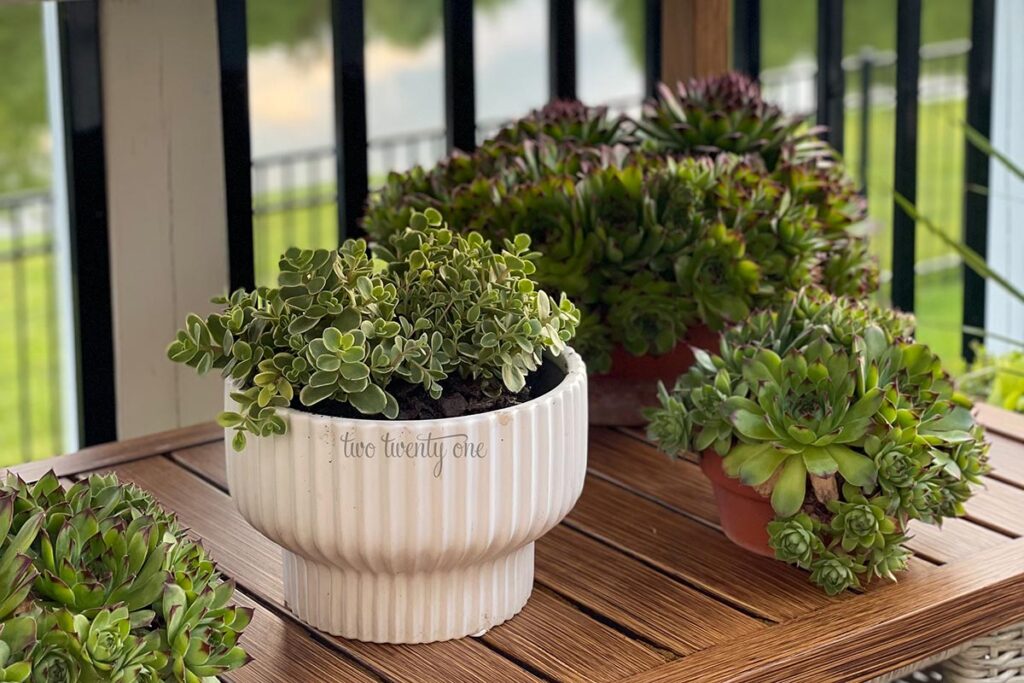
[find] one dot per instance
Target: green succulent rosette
(88, 571)
(828, 406)
(795, 540)
(835, 572)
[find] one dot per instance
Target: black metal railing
(314, 196)
(295, 193)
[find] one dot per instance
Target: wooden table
(638, 584)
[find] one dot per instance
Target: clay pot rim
(711, 465)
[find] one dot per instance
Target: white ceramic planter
(415, 531)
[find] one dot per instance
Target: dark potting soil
(460, 397)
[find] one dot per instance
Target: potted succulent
(662, 229)
(408, 424)
(825, 429)
(99, 583)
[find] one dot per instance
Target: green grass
(30, 411)
(939, 295)
(940, 174)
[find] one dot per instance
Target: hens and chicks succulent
(98, 583)
(711, 204)
(851, 427)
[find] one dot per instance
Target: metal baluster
(866, 66)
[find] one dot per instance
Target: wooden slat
(110, 454)
(630, 593)
(458, 661)
(642, 467)
(206, 460)
(284, 651)
(1007, 458)
(255, 563)
(671, 542)
(563, 643)
(999, 506)
(889, 629)
(681, 485)
(996, 419)
(956, 539)
(694, 552)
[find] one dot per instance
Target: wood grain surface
(638, 584)
(284, 651)
(876, 633)
(110, 454)
(693, 552)
(647, 602)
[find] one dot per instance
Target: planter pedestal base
(409, 608)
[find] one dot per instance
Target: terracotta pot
(744, 513)
(412, 531)
(618, 397)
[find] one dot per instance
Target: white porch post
(165, 184)
(1003, 314)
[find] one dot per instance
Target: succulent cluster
(349, 327)
(852, 429)
(99, 583)
(710, 205)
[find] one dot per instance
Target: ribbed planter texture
(415, 531)
(617, 398)
(743, 512)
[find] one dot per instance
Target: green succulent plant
(17, 640)
(718, 114)
(713, 197)
(795, 540)
(803, 416)
(835, 572)
(859, 522)
(568, 121)
(109, 588)
(344, 326)
(830, 408)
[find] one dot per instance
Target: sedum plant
(99, 583)
(829, 408)
(656, 225)
(430, 312)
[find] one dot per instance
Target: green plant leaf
(310, 395)
(760, 468)
(370, 401)
(982, 143)
(751, 425)
(971, 258)
(790, 489)
(856, 468)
